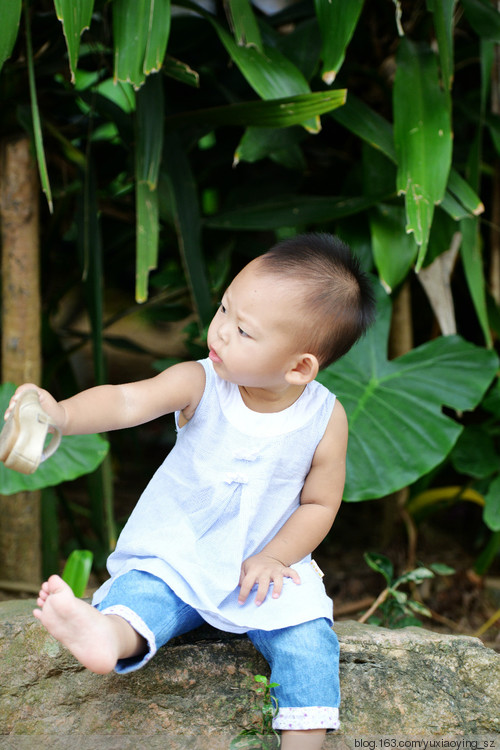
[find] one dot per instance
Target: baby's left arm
(310, 523)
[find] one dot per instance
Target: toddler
(224, 531)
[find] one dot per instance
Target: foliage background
(376, 120)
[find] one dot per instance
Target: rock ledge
(395, 684)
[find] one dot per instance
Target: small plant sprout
(261, 736)
(396, 607)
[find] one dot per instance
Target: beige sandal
(22, 439)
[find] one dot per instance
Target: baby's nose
(223, 331)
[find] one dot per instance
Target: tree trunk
(401, 333)
(20, 557)
(400, 342)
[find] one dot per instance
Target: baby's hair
(338, 298)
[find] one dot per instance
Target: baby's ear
(305, 370)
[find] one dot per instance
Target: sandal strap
(54, 440)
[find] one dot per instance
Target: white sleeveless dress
(229, 484)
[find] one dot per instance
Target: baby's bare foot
(90, 636)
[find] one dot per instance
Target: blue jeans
(303, 658)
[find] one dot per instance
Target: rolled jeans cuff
(309, 717)
(138, 624)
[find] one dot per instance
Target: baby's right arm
(113, 407)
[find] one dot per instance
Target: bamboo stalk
(20, 556)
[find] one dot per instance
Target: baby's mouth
(214, 356)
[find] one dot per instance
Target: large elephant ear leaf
(76, 455)
(9, 29)
(397, 429)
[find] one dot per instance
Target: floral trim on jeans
(310, 717)
(139, 626)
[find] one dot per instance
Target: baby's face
(253, 338)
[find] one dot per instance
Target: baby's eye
(242, 332)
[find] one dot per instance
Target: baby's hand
(264, 570)
(47, 402)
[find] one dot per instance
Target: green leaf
(443, 22)
(75, 18)
(141, 30)
(453, 208)
(276, 143)
(367, 124)
(472, 259)
(302, 45)
(76, 455)
(184, 203)
(148, 153)
(130, 34)
(292, 210)
(260, 678)
(408, 621)
(244, 25)
(337, 21)
(442, 237)
(440, 569)
(419, 608)
(460, 199)
(180, 71)
(158, 34)
(491, 515)
(414, 576)
(380, 564)
(115, 111)
(269, 73)
(394, 251)
(35, 114)
(475, 454)
(147, 239)
(149, 131)
(276, 113)
(121, 94)
(77, 570)
(464, 194)
(484, 18)
(399, 596)
(398, 431)
(422, 136)
(487, 54)
(492, 400)
(9, 28)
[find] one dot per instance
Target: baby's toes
(42, 594)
